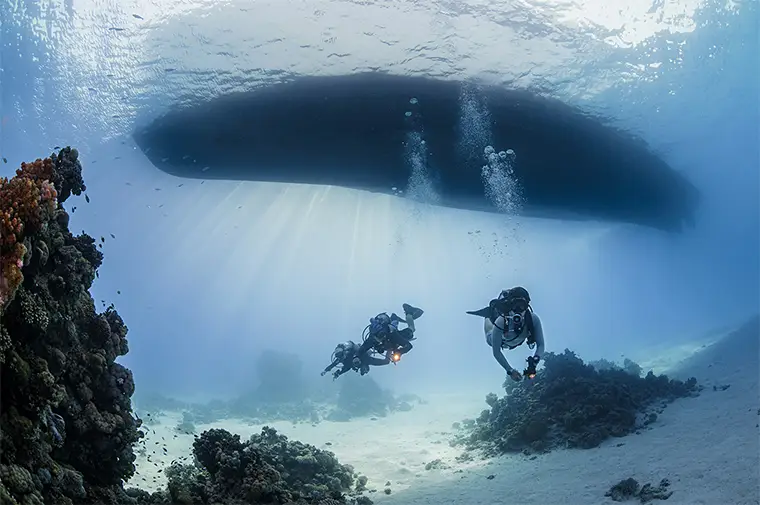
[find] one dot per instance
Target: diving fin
(484, 312)
(415, 312)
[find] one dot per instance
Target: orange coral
(25, 201)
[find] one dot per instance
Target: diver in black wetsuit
(384, 337)
(349, 356)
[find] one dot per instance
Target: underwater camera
(530, 371)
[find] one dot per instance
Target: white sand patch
(708, 447)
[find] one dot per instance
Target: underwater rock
(569, 404)
(629, 488)
(355, 131)
(65, 409)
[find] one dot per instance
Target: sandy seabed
(708, 447)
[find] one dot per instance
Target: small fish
(73, 209)
(86, 198)
(102, 239)
(114, 29)
(180, 185)
(204, 169)
(5, 160)
(112, 235)
(57, 147)
(169, 69)
(202, 182)
(117, 157)
(157, 189)
(118, 292)
(128, 183)
(137, 16)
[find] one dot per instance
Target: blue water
(206, 276)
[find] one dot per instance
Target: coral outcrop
(66, 423)
(570, 404)
(268, 469)
(362, 396)
(67, 430)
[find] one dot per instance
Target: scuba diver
(348, 355)
(509, 321)
(382, 335)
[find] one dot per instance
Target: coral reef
(361, 396)
(570, 404)
(67, 431)
(268, 469)
(280, 377)
(186, 425)
(66, 423)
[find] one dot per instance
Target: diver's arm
(497, 336)
(538, 334)
(332, 365)
(342, 370)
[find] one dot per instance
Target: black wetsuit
(391, 339)
(348, 363)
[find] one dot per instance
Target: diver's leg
(410, 321)
(411, 314)
(372, 361)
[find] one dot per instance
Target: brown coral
(25, 201)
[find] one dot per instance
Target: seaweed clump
(268, 469)
(66, 424)
(570, 404)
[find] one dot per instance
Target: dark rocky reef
(570, 404)
(67, 429)
(268, 469)
(357, 130)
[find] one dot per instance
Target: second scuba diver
(509, 321)
(381, 336)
